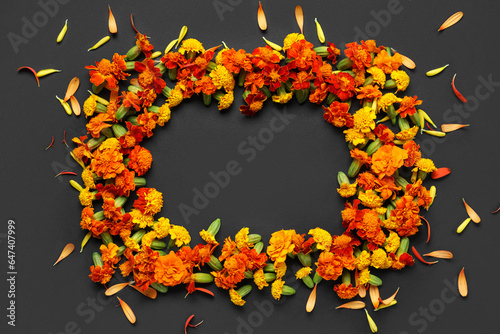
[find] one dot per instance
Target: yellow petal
(100, 43)
(182, 33)
(451, 20)
(354, 305)
(371, 323)
(311, 301)
(63, 32)
(321, 34)
(440, 254)
(299, 16)
(170, 45)
(47, 71)
(86, 238)
(435, 133)
(436, 71)
(462, 226)
(382, 306)
(472, 214)
(155, 54)
(273, 45)
(127, 310)
(261, 18)
(65, 105)
(68, 249)
(115, 288)
(462, 283)
(112, 22)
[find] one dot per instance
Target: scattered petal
(51, 144)
(441, 254)
(464, 224)
(170, 45)
(410, 64)
(428, 229)
(273, 45)
(382, 306)
(65, 173)
(47, 71)
(374, 295)
(132, 23)
(371, 323)
(100, 43)
(85, 239)
(32, 70)
(496, 210)
(299, 16)
(435, 133)
(65, 105)
(208, 292)
(452, 127)
(75, 105)
(440, 172)
(451, 20)
(63, 32)
(68, 249)
(389, 300)
(261, 18)
(311, 301)
(127, 310)
(187, 323)
(354, 305)
(436, 71)
(150, 292)
(112, 22)
(472, 214)
(319, 30)
(457, 93)
(182, 33)
(115, 288)
(418, 256)
(462, 283)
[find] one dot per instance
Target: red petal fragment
(32, 70)
(457, 93)
(132, 22)
(418, 256)
(187, 323)
(428, 229)
(208, 292)
(440, 172)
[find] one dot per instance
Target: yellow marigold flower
(290, 39)
(378, 75)
(387, 100)
(175, 97)
(392, 242)
(148, 238)
(364, 276)
(364, 119)
(141, 219)
(402, 80)
(380, 260)
(303, 272)
(283, 98)
(347, 190)
(222, 78)
(191, 45)
(363, 260)
(354, 136)
(180, 235)
(88, 178)
(280, 245)
(258, 279)
(163, 114)
(370, 199)
(86, 197)
(280, 268)
(130, 243)
(408, 134)
(241, 239)
(426, 165)
(153, 201)
(236, 298)
(208, 237)
(277, 288)
(110, 143)
(380, 210)
(89, 106)
(226, 100)
(322, 238)
(162, 227)
(390, 224)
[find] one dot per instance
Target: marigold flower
(384, 133)
(222, 78)
(169, 270)
(370, 199)
(107, 163)
(86, 197)
(208, 237)
(302, 55)
(149, 75)
(141, 219)
(280, 245)
(402, 80)
(176, 97)
(392, 242)
(173, 60)
(143, 44)
(378, 75)
(280, 268)
(89, 106)
(259, 280)
(108, 71)
(162, 228)
(322, 238)
(150, 201)
(124, 182)
(345, 291)
(108, 254)
(290, 39)
(407, 106)
(359, 55)
(180, 235)
(254, 102)
(329, 265)
(364, 276)
(263, 56)
(241, 239)
(342, 85)
(380, 260)
(140, 160)
(387, 63)
(97, 123)
(364, 120)
(338, 114)
(227, 249)
(368, 93)
(360, 156)
(426, 165)
(236, 298)
(191, 45)
(408, 134)
(387, 159)
(407, 216)
(413, 151)
(226, 100)
(363, 260)
(347, 190)
(235, 61)
(277, 288)
(303, 272)
(386, 100)
(333, 52)
(403, 260)
(102, 274)
(282, 98)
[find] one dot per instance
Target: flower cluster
(382, 208)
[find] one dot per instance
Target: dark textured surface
(290, 183)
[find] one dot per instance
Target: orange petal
(261, 18)
(462, 283)
(208, 292)
(362, 290)
(472, 214)
(150, 292)
(452, 127)
(441, 254)
(440, 172)
(457, 93)
(32, 71)
(72, 87)
(374, 295)
(135, 82)
(75, 105)
(113, 94)
(418, 256)
(112, 22)
(127, 310)
(354, 305)
(311, 301)
(390, 299)
(410, 64)
(451, 20)
(115, 288)
(299, 16)
(68, 249)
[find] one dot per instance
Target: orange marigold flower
(338, 114)
(407, 216)
(280, 245)
(359, 55)
(366, 180)
(205, 85)
(227, 249)
(97, 123)
(333, 52)
(407, 134)
(403, 260)
(386, 187)
(131, 100)
(108, 71)
(147, 120)
(235, 61)
(329, 265)
(254, 102)
(107, 163)
(149, 75)
(169, 270)
(102, 274)
(342, 85)
(413, 151)
(319, 94)
(301, 80)
(124, 182)
(263, 56)
(274, 75)
(290, 39)
(140, 160)
(302, 55)
(150, 201)
(387, 63)
(384, 133)
(407, 106)
(371, 46)
(108, 254)
(387, 159)
(173, 60)
(417, 190)
(142, 42)
(361, 156)
(345, 291)
(368, 93)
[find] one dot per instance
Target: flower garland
(382, 208)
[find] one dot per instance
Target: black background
(290, 184)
